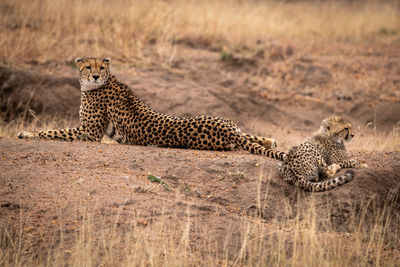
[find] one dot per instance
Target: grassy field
(306, 239)
(47, 30)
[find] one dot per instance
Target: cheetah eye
(101, 68)
(346, 129)
(88, 67)
(328, 128)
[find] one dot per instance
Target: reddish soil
(50, 180)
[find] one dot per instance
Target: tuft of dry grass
(39, 123)
(47, 30)
(368, 139)
(305, 239)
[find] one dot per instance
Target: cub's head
(93, 72)
(337, 127)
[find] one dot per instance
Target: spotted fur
(110, 108)
(322, 155)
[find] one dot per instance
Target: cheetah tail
(327, 185)
(257, 149)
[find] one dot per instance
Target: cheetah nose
(95, 77)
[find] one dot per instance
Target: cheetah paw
(25, 135)
(274, 144)
(270, 143)
(364, 166)
(332, 169)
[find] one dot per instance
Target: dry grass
(47, 30)
(40, 122)
(371, 139)
(306, 239)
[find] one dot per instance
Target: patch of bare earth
(50, 187)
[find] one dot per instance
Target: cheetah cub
(322, 155)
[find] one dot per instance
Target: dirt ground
(282, 91)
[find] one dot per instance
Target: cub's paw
(25, 135)
(332, 169)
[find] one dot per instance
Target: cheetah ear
(107, 60)
(324, 126)
(78, 61)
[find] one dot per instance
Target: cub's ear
(78, 61)
(325, 126)
(107, 60)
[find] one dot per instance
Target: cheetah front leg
(87, 131)
(70, 134)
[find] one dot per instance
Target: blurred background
(47, 30)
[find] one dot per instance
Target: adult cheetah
(109, 107)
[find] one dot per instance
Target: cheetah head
(337, 127)
(93, 72)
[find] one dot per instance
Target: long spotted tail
(326, 185)
(241, 141)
